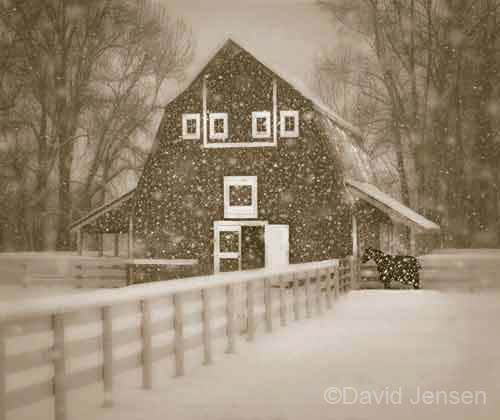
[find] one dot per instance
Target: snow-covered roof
(318, 104)
(99, 211)
(395, 209)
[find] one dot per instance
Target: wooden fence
(160, 307)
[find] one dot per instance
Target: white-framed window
(240, 197)
(190, 126)
(218, 126)
(289, 123)
(261, 124)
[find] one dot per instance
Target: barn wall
(180, 193)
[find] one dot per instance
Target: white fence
(228, 306)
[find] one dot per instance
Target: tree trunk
(65, 202)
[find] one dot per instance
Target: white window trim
(289, 133)
(240, 212)
(240, 145)
(265, 134)
(215, 116)
(185, 134)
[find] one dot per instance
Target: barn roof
(392, 207)
(318, 104)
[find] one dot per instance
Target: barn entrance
(253, 252)
(249, 245)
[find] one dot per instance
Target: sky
(287, 34)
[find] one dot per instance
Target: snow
(390, 202)
(371, 341)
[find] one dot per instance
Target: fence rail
(242, 301)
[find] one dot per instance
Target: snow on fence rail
(159, 307)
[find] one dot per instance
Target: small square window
(190, 126)
(240, 197)
(289, 123)
(218, 126)
(261, 124)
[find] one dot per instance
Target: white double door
(228, 249)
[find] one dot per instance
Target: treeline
(421, 78)
(81, 83)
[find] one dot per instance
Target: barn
(248, 171)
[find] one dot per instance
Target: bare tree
(433, 71)
(127, 92)
(82, 66)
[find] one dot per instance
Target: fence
(88, 272)
(159, 307)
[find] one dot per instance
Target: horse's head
(371, 254)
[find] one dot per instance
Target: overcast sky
(288, 34)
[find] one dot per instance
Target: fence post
(319, 303)
(27, 274)
(250, 310)
(337, 280)
(79, 241)
(268, 304)
(231, 345)
(207, 338)
(179, 335)
(147, 346)
(107, 348)
(355, 273)
(59, 360)
(69, 276)
(282, 300)
(100, 244)
(328, 284)
(296, 306)
(308, 295)
(117, 245)
(3, 374)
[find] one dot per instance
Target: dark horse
(402, 268)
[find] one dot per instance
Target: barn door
(227, 248)
(276, 238)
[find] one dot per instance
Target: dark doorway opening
(253, 251)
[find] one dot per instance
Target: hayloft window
(289, 123)
(218, 126)
(240, 197)
(190, 126)
(261, 124)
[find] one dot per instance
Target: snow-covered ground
(373, 342)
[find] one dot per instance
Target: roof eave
(395, 215)
(94, 214)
